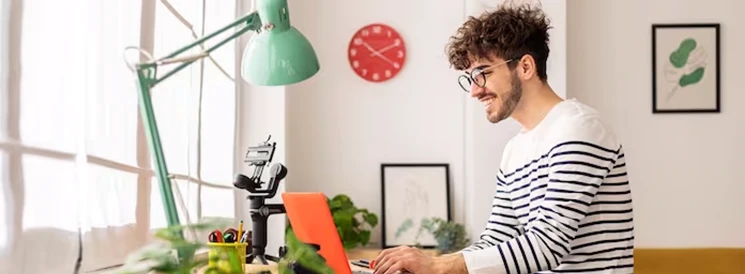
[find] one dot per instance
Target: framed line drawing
(685, 68)
(411, 192)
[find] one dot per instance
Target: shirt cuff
(483, 261)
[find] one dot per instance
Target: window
(5, 202)
(86, 173)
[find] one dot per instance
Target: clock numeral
(377, 29)
(365, 32)
(364, 72)
(356, 64)
(390, 34)
(388, 73)
(400, 54)
(396, 65)
(353, 52)
(375, 76)
(358, 41)
(397, 42)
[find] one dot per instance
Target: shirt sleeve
(579, 159)
(502, 224)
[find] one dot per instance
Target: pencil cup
(224, 255)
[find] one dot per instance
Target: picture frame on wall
(685, 68)
(411, 192)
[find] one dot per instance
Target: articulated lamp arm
(148, 79)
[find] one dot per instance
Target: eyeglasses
(477, 76)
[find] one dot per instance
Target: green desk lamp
(278, 55)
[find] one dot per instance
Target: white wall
(340, 128)
(685, 169)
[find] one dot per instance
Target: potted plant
(450, 236)
(352, 223)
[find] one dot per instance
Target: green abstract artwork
(686, 66)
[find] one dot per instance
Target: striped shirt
(563, 201)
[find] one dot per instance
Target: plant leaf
(364, 237)
(371, 219)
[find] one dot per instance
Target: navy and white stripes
(565, 210)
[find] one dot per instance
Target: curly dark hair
(510, 31)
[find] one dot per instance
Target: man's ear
(526, 67)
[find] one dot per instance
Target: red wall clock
(376, 52)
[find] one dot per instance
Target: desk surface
(272, 267)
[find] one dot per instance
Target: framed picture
(411, 193)
(685, 68)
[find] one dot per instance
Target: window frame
(14, 148)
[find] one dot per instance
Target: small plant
(450, 236)
(352, 223)
(161, 257)
(301, 255)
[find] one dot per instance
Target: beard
(509, 102)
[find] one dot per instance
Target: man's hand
(405, 259)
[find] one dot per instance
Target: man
(563, 201)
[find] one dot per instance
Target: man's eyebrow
(479, 67)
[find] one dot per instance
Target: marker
(216, 236)
(230, 235)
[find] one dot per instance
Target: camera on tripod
(258, 157)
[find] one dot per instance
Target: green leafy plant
(161, 257)
(352, 223)
(450, 236)
(303, 255)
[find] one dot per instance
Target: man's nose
(476, 90)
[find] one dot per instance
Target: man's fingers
(399, 265)
(387, 259)
(393, 261)
(383, 254)
(386, 255)
(382, 267)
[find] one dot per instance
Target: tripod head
(258, 157)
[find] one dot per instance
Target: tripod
(259, 209)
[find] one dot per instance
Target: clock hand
(386, 48)
(374, 52)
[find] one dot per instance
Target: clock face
(376, 52)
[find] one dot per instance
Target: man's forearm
(450, 264)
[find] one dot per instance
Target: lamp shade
(279, 54)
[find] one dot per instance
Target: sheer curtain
(77, 189)
(4, 187)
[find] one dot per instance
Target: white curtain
(77, 191)
(4, 188)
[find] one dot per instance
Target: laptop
(311, 220)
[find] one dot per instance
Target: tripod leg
(262, 259)
(272, 258)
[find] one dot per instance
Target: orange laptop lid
(312, 222)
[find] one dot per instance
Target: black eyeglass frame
(478, 72)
